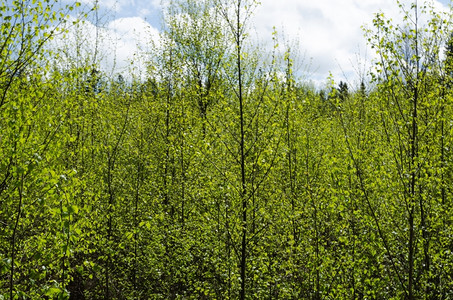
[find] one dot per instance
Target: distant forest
(218, 173)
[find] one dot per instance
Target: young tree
(35, 188)
(410, 110)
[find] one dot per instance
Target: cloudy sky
(328, 32)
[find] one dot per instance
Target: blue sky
(328, 32)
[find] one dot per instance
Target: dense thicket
(218, 174)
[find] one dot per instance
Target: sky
(327, 33)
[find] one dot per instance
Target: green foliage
(221, 176)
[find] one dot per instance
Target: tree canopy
(218, 174)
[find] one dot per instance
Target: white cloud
(116, 44)
(144, 12)
(328, 31)
(133, 36)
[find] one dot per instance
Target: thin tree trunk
(413, 157)
(242, 151)
(13, 239)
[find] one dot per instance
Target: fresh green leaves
(221, 175)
